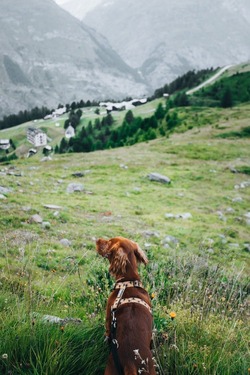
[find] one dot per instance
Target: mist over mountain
(48, 57)
(165, 38)
(78, 8)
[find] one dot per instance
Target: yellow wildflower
(172, 315)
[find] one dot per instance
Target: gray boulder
(36, 219)
(75, 188)
(159, 178)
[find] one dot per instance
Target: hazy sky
(60, 1)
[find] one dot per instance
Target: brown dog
(128, 316)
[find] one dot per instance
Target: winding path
(210, 80)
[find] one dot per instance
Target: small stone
(73, 188)
(53, 207)
(170, 240)
(237, 200)
(46, 224)
(4, 190)
(65, 242)
(36, 219)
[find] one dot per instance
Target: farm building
(4, 144)
(37, 137)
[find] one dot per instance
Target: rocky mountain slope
(78, 8)
(49, 57)
(165, 38)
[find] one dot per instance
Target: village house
(70, 132)
(37, 137)
(4, 144)
(121, 106)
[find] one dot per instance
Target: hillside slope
(195, 232)
(48, 57)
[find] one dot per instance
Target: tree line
(39, 113)
(187, 81)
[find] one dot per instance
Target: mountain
(49, 57)
(78, 8)
(166, 38)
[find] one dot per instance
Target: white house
(4, 144)
(69, 132)
(59, 112)
(37, 137)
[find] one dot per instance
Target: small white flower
(5, 356)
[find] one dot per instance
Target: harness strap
(128, 284)
(136, 300)
(118, 299)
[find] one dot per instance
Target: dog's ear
(140, 255)
(118, 261)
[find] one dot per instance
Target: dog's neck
(130, 276)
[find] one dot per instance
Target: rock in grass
(4, 190)
(56, 319)
(78, 174)
(159, 178)
(53, 207)
(46, 224)
(65, 242)
(37, 219)
(170, 240)
(184, 216)
(75, 188)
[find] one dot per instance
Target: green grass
(203, 276)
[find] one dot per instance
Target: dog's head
(123, 255)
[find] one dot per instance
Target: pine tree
(227, 98)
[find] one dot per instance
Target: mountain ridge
(49, 57)
(167, 38)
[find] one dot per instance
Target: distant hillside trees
(39, 113)
(187, 81)
(227, 91)
(23, 116)
(74, 119)
(227, 98)
(103, 135)
(7, 158)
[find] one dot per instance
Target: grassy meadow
(195, 232)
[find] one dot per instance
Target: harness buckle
(115, 342)
(136, 283)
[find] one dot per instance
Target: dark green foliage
(172, 120)
(228, 91)
(12, 144)
(181, 100)
(160, 112)
(8, 158)
(129, 117)
(74, 119)
(242, 133)
(186, 81)
(23, 116)
(244, 169)
(63, 146)
(227, 98)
